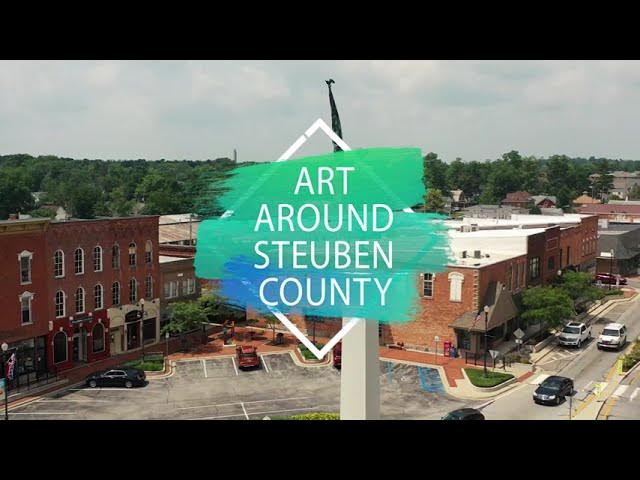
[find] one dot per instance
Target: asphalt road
(586, 366)
(217, 390)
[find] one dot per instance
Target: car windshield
(553, 384)
(571, 330)
(610, 332)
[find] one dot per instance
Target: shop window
(191, 286)
(534, 268)
(98, 338)
(60, 347)
(58, 264)
(60, 310)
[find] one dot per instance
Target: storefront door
(80, 344)
(133, 335)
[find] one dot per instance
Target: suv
(247, 356)
(614, 335)
(574, 333)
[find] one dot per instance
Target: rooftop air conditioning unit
(466, 228)
(474, 227)
(463, 254)
(476, 254)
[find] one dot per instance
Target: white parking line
(244, 410)
(204, 366)
(620, 390)
(261, 413)
(246, 403)
(112, 389)
(234, 365)
(264, 362)
(42, 413)
(73, 400)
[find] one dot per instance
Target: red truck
(337, 355)
(247, 356)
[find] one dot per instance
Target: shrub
(316, 416)
(306, 353)
(632, 358)
(477, 378)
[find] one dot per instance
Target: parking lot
(215, 389)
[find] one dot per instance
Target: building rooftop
(168, 259)
(518, 220)
(611, 208)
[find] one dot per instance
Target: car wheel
(93, 384)
(579, 343)
(128, 384)
(558, 400)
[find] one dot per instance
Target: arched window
(133, 291)
(98, 297)
(58, 264)
(148, 287)
(132, 254)
(148, 253)
(98, 338)
(80, 300)
(25, 258)
(115, 256)
(60, 347)
(97, 259)
(115, 293)
(455, 286)
(78, 261)
(25, 306)
(60, 310)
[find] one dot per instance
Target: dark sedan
(553, 390)
(464, 414)
(118, 377)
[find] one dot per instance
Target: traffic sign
(518, 334)
(494, 353)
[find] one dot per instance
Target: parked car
(464, 414)
(117, 377)
(614, 335)
(574, 334)
(337, 355)
(247, 356)
(610, 279)
(553, 390)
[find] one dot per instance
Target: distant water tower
(235, 156)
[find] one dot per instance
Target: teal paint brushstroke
(419, 242)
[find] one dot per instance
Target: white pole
(360, 382)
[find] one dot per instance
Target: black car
(553, 390)
(464, 414)
(117, 377)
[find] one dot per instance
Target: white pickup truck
(574, 334)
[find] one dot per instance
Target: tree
(15, 195)
(535, 210)
(184, 317)
(547, 305)
(435, 172)
(272, 323)
(603, 183)
(119, 204)
(579, 286)
(83, 199)
(433, 201)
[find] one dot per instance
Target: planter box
(489, 389)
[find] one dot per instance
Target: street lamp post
(166, 338)
(612, 253)
(5, 347)
(436, 339)
(142, 326)
(486, 337)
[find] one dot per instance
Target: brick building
(24, 300)
(613, 212)
(178, 282)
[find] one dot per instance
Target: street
(588, 367)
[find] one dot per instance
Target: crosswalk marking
(620, 390)
(539, 379)
(634, 394)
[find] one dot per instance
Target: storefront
(31, 359)
(128, 327)
(79, 339)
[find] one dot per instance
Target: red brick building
(518, 199)
(613, 212)
(23, 293)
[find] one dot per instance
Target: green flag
(335, 118)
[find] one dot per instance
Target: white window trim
(29, 296)
(64, 303)
(101, 258)
(21, 255)
(84, 300)
(433, 279)
(81, 263)
(456, 280)
(54, 264)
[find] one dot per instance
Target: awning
(502, 308)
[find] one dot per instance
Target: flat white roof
(501, 233)
(519, 219)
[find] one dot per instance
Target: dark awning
(502, 308)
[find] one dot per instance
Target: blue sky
(204, 109)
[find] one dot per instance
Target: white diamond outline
(319, 124)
